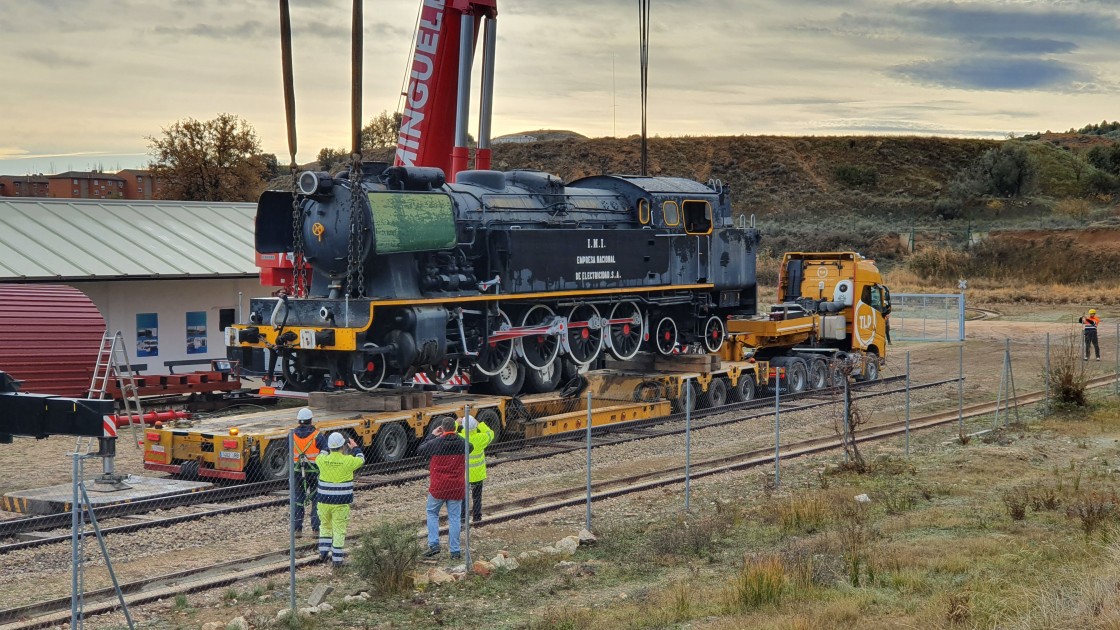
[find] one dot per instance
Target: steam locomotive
(514, 275)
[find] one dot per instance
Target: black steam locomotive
(515, 275)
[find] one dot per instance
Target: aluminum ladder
(113, 365)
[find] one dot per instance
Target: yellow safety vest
(480, 438)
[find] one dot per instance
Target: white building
(170, 275)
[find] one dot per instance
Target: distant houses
(127, 184)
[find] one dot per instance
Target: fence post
(908, 403)
(777, 433)
(1116, 380)
(687, 445)
(1046, 374)
(75, 556)
(587, 520)
(466, 505)
(960, 317)
(847, 411)
(292, 520)
(960, 391)
(1002, 386)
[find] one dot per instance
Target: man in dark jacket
(447, 478)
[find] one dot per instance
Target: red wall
(50, 337)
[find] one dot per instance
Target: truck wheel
(797, 377)
(275, 461)
(687, 402)
(746, 389)
(818, 374)
(717, 393)
(544, 380)
(391, 443)
(870, 370)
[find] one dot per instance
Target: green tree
(1008, 171)
(381, 132)
(209, 160)
(331, 160)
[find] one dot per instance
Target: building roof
(83, 175)
(87, 239)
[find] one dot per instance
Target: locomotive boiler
(512, 275)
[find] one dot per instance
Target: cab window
(697, 217)
(873, 296)
(671, 213)
(643, 211)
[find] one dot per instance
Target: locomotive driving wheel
(443, 371)
(495, 355)
(369, 376)
(539, 349)
(584, 338)
(624, 339)
(298, 374)
(665, 336)
(714, 334)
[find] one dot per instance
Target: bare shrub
(386, 557)
(1092, 509)
(960, 608)
(1045, 498)
(1068, 379)
(1016, 502)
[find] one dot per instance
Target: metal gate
(927, 317)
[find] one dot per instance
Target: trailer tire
(680, 405)
(797, 377)
(717, 393)
(391, 443)
(746, 389)
(492, 419)
(188, 470)
(819, 377)
(541, 381)
(275, 461)
(508, 380)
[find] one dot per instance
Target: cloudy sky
(87, 80)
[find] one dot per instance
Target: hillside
(879, 195)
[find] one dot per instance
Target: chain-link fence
(562, 454)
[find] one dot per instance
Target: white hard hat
(472, 424)
(335, 441)
(305, 415)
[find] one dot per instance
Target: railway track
(47, 613)
(129, 517)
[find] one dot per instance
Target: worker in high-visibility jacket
(336, 493)
(307, 443)
(1091, 324)
(480, 436)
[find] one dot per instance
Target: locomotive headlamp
(313, 183)
(233, 431)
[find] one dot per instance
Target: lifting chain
(355, 269)
(299, 270)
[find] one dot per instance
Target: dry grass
(762, 582)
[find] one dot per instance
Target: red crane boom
(437, 100)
